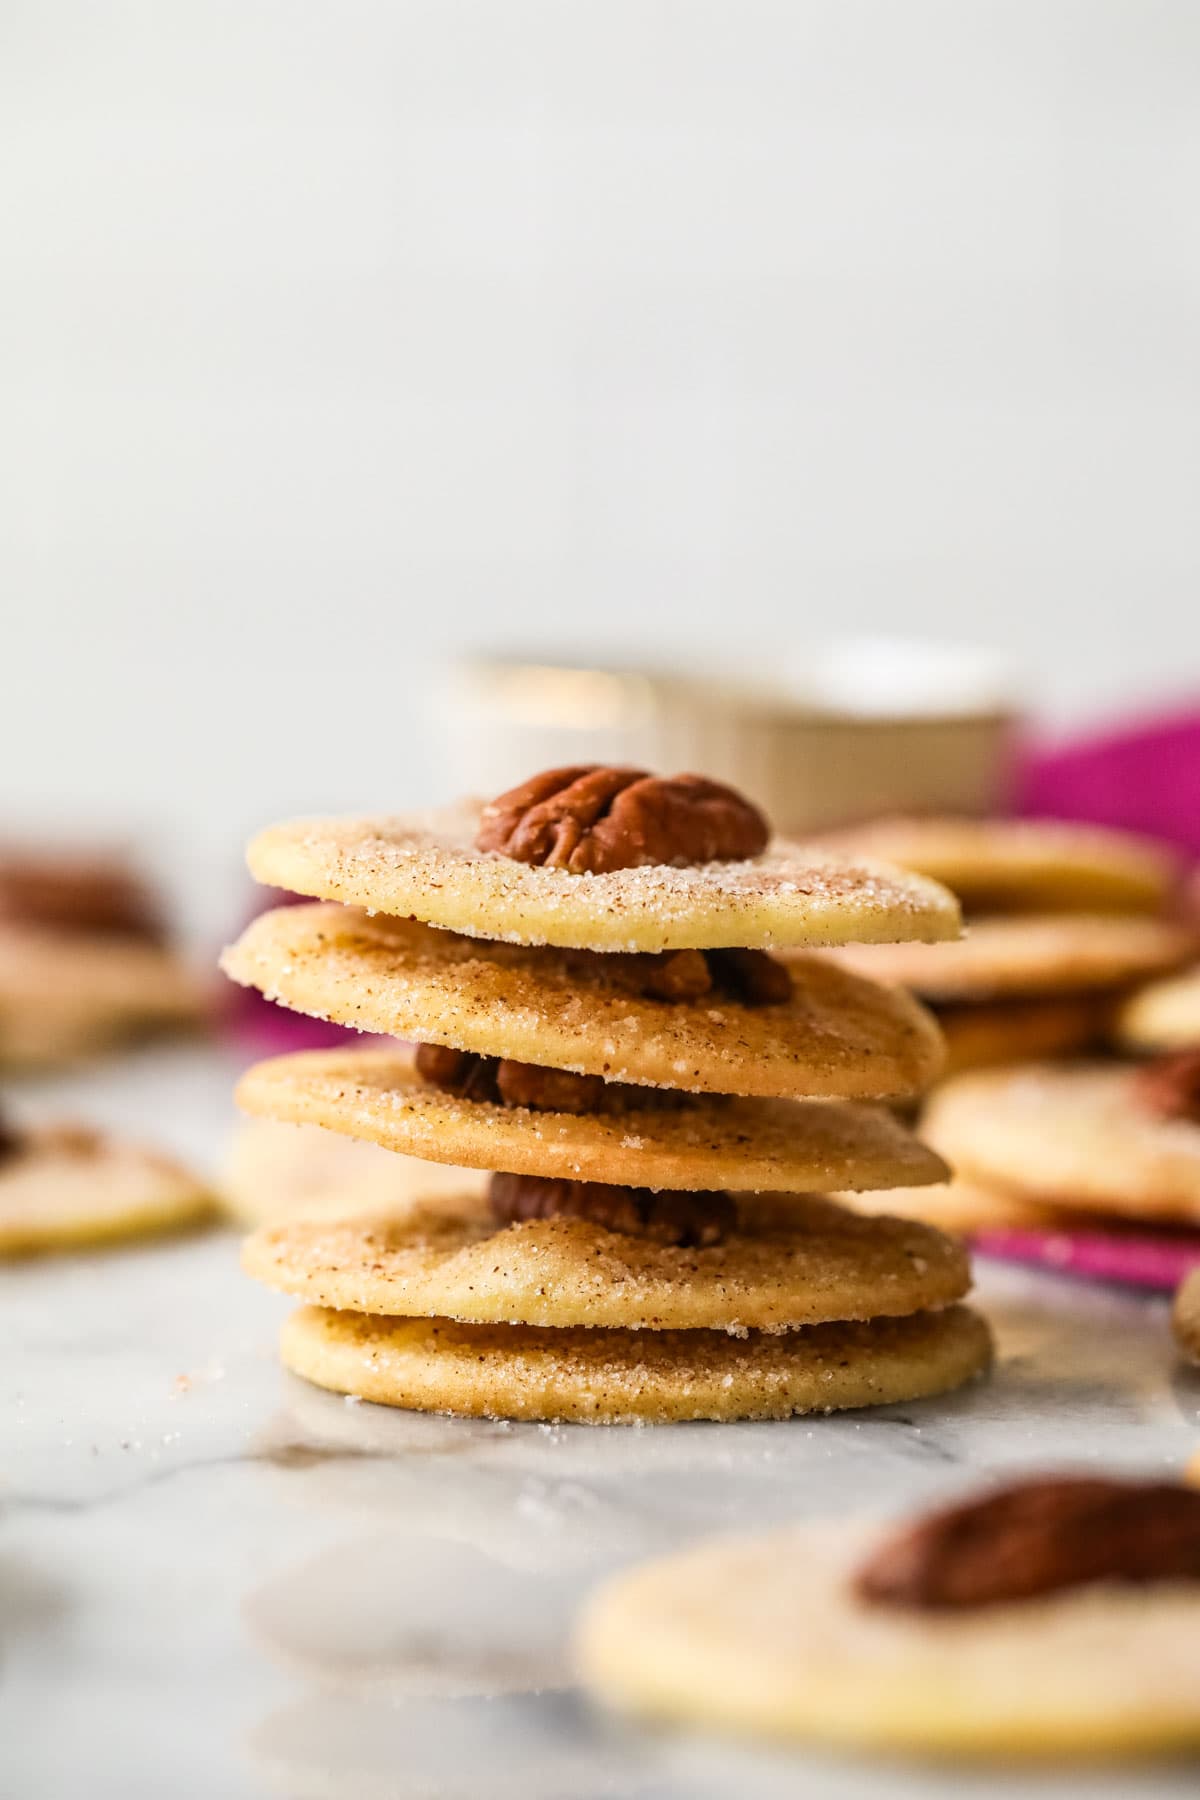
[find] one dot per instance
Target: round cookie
(793, 1260)
(704, 1142)
(838, 1037)
(1039, 865)
(631, 1377)
(1071, 953)
(280, 1171)
(1068, 1135)
(1164, 1016)
(959, 1206)
(766, 1636)
(66, 995)
(1185, 1319)
(68, 1189)
(425, 866)
(980, 1034)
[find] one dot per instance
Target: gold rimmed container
(874, 729)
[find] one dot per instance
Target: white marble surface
(216, 1582)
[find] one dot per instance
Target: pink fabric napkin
(262, 1027)
(1142, 777)
(1150, 1259)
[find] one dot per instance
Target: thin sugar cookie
(280, 1171)
(771, 1636)
(1078, 1136)
(839, 1036)
(700, 1142)
(1036, 865)
(1068, 953)
(1163, 1016)
(69, 1188)
(425, 866)
(980, 1034)
(792, 1260)
(633, 1377)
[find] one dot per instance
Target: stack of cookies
(1062, 920)
(647, 1108)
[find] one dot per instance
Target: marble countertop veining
(218, 1582)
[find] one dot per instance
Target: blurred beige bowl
(874, 727)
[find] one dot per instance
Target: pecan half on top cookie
(1037, 1537)
(590, 819)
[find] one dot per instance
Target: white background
(339, 336)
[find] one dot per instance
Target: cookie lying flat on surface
(425, 866)
(1070, 953)
(838, 1036)
(1075, 1136)
(1185, 1315)
(280, 1171)
(792, 1260)
(703, 1142)
(1163, 1016)
(1030, 864)
(68, 1188)
(980, 1034)
(775, 1636)
(631, 1377)
(64, 996)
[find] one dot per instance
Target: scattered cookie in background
(86, 964)
(637, 1086)
(1025, 865)
(1090, 1169)
(1062, 920)
(1057, 1617)
(1164, 1016)
(69, 1187)
(1095, 1138)
(279, 1171)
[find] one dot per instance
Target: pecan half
(1036, 1537)
(501, 1081)
(591, 819)
(458, 1072)
(693, 1221)
(1169, 1086)
(751, 976)
(11, 1140)
(549, 1090)
(95, 894)
(671, 974)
